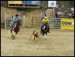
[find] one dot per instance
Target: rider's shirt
(45, 21)
(16, 18)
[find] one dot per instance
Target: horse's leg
(44, 34)
(13, 34)
(17, 30)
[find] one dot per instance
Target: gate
(8, 21)
(36, 22)
(55, 23)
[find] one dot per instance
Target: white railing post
(5, 19)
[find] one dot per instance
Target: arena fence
(35, 22)
(55, 23)
(8, 21)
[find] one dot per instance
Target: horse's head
(17, 26)
(18, 23)
(44, 28)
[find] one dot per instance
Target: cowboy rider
(45, 23)
(14, 20)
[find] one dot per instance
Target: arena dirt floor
(57, 43)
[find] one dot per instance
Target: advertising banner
(67, 23)
(15, 2)
(32, 2)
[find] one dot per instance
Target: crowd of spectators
(65, 14)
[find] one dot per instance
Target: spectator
(56, 15)
(70, 15)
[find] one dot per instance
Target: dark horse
(44, 30)
(15, 29)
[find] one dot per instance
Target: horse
(15, 29)
(44, 30)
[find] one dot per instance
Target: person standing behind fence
(70, 14)
(56, 15)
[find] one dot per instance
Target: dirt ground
(58, 43)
